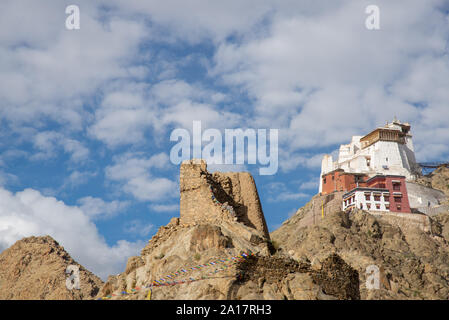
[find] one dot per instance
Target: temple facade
(379, 193)
(386, 150)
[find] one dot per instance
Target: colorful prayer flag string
(157, 283)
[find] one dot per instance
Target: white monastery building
(386, 150)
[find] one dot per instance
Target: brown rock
(34, 269)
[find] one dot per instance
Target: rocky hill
(177, 248)
(413, 262)
(438, 179)
(34, 268)
(219, 248)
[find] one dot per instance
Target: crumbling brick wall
(220, 196)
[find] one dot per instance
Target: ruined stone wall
(241, 192)
(406, 221)
(216, 197)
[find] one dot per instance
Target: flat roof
(386, 176)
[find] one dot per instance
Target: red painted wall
(405, 205)
(387, 183)
(339, 181)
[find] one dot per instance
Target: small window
(376, 198)
(396, 187)
(387, 198)
(397, 199)
(398, 207)
(387, 206)
(368, 205)
(367, 196)
(378, 206)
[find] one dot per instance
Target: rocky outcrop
(413, 264)
(284, 278)
(260, 276)
(219, 197)
(438, 179)
(34, 268)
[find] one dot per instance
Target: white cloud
(165, 207)
(6, 178)
(29, 213)
(310, 185)
(137, 228)
(133, 171)
(129, 110)
(318, 72)
(124, 114)
(198, 20)
(279, 192)
(98, 208)
(291, 160)
(77, 178)
(288, 196)
(47, 142)
(50, 70)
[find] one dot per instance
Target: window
(397, 199)
(387, 198)
(396, 186)
(367, 196)
(378, 206)
(376, 197)
(368, 205)
(324, 180)
(398, 207)
(387, 206)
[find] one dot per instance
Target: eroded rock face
(413, 264)
(285, 278)
(214, 198)
(34, 269)
(438, 179)
(260, 276)
(207, 236)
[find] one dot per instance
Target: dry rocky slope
(438, 179)
(221, 217)
(413, 257)
(310, 257)
(34, 268)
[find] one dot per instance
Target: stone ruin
(214, 198)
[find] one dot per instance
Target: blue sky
(86, 115)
